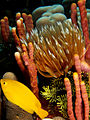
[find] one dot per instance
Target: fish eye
(4, 83)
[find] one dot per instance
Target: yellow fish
(22, 96)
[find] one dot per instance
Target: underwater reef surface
(33, 57)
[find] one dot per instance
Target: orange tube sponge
(84, 21)
(74, 13)
(78, 102)
(81, 110)
(85, 29)
(85, 100)
(28, 22)
(25, 57)
(20, 28)
(19, 61)
(16, 38)
(69, 99)
(29, 62)
(78, 65)
(5, 28)
(18, 15)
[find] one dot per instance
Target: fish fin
(30, 111)
(42, 113)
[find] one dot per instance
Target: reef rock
(48, 14)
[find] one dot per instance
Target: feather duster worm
(55, 47)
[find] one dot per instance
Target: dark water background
(11, 7)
